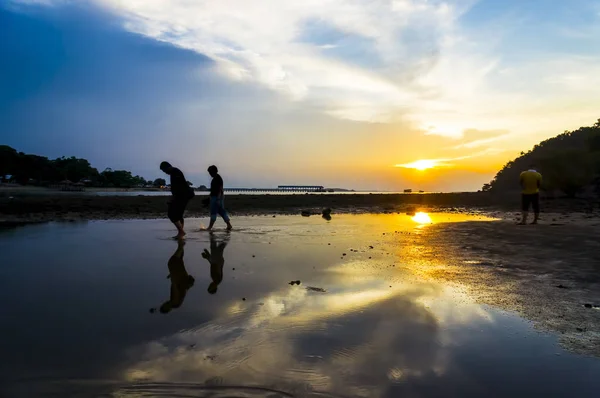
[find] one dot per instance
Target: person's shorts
(176, 209)
(530, 200)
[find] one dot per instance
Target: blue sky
(331, 92)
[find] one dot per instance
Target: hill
(569, 163)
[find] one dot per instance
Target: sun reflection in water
(422, 218)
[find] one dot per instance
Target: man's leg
(524, 209)
(224, 215)
(536, 208)
(176, 209)
(214, 210)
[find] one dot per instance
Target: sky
(362, 94)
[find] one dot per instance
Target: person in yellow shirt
(531, 181)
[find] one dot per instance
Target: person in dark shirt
(182, 193)
(216, 199)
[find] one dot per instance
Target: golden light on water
(422, 218)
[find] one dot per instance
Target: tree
(568, 171)
(585, 141)
(160, 182)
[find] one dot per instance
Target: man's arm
(521, 180)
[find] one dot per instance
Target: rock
(580, 330)
(253, 256)
(233, 269)
(343, 254)
(370, 247)
(243, 298)
(295, 283)
(588, 305)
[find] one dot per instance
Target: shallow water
(84, 302)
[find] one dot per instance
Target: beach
(16, 206)
(376, 305)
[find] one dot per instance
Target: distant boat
(408, 191)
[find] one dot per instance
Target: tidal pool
(281, 306)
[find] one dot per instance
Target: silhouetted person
(216, 199)
(181, 281)
(216, 260)
(531, 181)
(182, 193)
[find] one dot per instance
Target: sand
(15, 207)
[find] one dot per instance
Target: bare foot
(179, 236)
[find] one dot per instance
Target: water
(82, 315)
(167, 193)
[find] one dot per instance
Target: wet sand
(387, 305)
(73, 206)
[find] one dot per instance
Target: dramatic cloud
(269, 82)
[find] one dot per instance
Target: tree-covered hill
(569, 163)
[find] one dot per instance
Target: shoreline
(44, 208)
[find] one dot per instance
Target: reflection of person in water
(216, 260)
(181, 281)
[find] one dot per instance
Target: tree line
(569, 163)
(27, 169)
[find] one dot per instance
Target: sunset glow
(335, 93)
(422, 218)
(421, 164)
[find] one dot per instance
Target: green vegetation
(38, 170)
(569, 163)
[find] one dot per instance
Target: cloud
(402, 40)
(446, 162)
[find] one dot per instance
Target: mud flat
(51, 207)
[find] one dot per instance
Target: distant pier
(281, 188)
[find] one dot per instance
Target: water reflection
(422, 218)
(216, 260)
(181, 281)
(381, 327)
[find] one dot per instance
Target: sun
(422, 218)
(420, 164)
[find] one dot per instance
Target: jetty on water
(281, 188)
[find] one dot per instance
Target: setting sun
(420, 164)
(422, 218)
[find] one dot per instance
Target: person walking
(182, 194)
(217, 206)
(530, 181)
